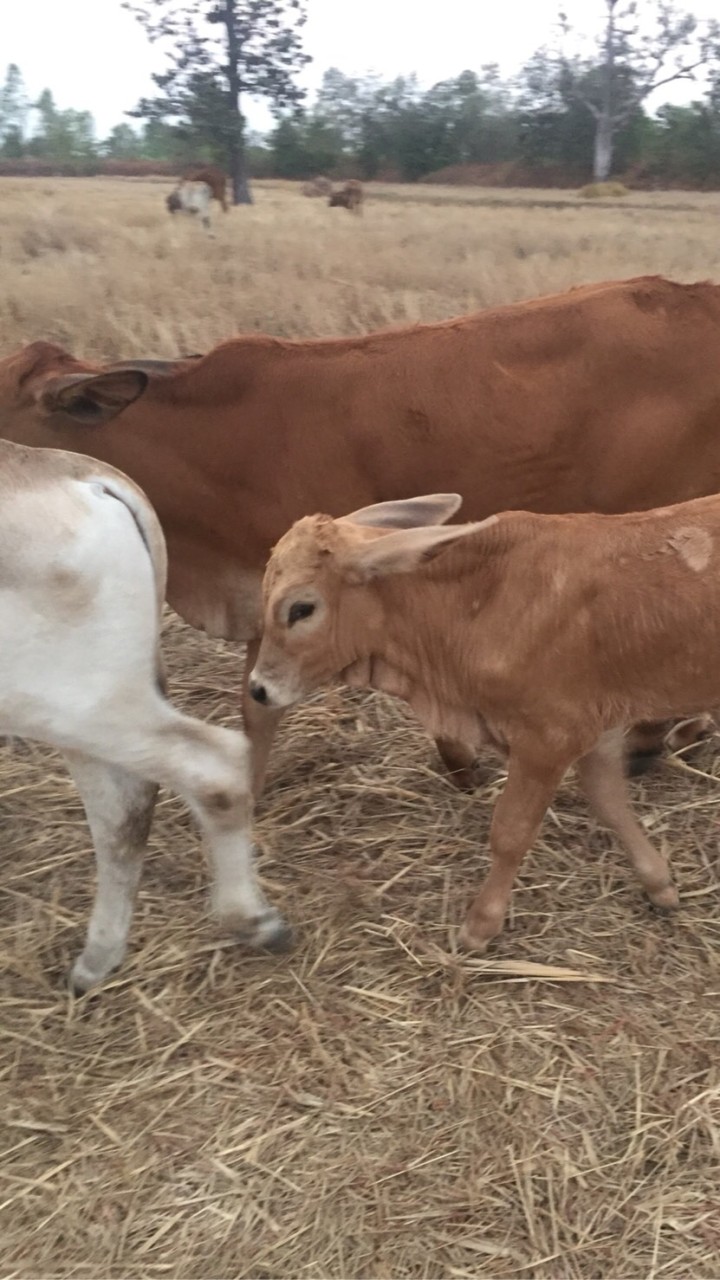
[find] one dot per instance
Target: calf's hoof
(82, 979)
(266, 932)
(665, 901)
(470, 939)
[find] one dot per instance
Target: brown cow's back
(604, 398)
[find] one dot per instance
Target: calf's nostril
(258, 691)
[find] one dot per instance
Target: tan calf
(543, 636)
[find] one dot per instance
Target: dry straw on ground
(372, 1104)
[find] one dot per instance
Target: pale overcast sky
(94, 55)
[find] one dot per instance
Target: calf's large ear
(404, 551)
(92, 398)
(408, 513)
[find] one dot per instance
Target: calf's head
(322, 610)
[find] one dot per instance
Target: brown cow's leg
(648, 740)
(459, 761)
(686, 733)
(601, 777)
(261, 724)
(518, 814)
(644, 745)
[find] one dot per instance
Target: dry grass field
(373, 1104)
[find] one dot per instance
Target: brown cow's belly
(225, 602)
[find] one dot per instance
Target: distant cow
(349, 197)
(542, 636)
(215, 178)
(82, 573)
(193, 198)
(319, 186)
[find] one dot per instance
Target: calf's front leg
(516, 821)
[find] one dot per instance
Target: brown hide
(563, 626)
(604, 398)
(542, 635)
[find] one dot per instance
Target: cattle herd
(200, 186)
(572, 618)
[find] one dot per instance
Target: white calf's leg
(210, 768)
(119, 808)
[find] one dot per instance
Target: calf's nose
(259, 692)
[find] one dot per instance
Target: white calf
(192, 197)
(82, 584)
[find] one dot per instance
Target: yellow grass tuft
(374, 1104)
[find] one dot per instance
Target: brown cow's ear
(404, 551)
(92, 398)
(407, 513)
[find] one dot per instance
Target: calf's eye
(299, 610)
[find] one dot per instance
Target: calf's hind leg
(603, 781)
(119, 808)
(210, 768)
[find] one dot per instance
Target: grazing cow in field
(349, 197)
(214, 177)
(193, 198)
(82, 580)
(604, 398)
(542, 636)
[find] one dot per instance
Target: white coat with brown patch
(82, 585)
(543, 636)
(194, 198)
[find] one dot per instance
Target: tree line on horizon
(577, 110)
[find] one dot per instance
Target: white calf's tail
(146, 521)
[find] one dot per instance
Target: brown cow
(542, 636)
(215, 178)
(604, 398)
(349, 197)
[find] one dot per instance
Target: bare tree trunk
(604, 121)
(241, 193)
(603, 155)
(238, 167)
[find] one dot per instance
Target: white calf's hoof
(267, 932)
(93, 966)
(82, 979)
